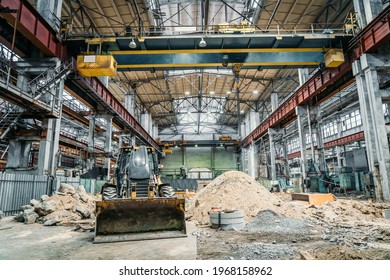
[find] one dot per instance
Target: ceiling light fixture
(187, 93)
(132, 44)
(255, 92)
(202, 43)
(212, 92)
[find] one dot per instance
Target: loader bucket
(139, 219)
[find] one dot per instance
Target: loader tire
(167, 191)
(109, 191)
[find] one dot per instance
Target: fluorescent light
(228, 92)
(187, 93)
(212, 92)
(255, 92)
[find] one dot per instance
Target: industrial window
(329, 129)
(351, 120)
(293, 145)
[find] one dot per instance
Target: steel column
(367, 10)
(301, 113)
(251, 161)
(375, 131)
(271, 134)
(108, 144)
(51, 12)
(274, 101)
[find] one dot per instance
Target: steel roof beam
(325, 82)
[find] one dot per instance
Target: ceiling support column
(303, 75)
(285, 156)
(48, 159)
(18, 155)
(48, 147)
(108, 145)
(130, 102)
(301, 112)
(251, 164)
(320, 142)
(51, 12)
(371, 99)
(367, 10)
(91, 142)
(271, 133)
(339, 149)
(274, 101)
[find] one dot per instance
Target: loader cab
(139, 166)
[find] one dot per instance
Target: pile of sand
(233, 190)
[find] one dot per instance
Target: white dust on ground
(235, 190)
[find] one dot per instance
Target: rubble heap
(68, 206)
(233, 190)
(347, 211)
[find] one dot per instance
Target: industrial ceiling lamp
(132, 44)
(202, 43)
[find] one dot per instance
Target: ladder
(8, 118)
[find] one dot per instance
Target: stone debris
(2, 215)
(84, 211)
(70, 204)
(84, 228)
(29, 216)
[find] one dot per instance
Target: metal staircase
(40, 94)
(43, 83)
(9, 116)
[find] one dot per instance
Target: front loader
(136, 205)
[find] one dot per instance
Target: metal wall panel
(18, 189)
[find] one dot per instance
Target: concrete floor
(19, 241)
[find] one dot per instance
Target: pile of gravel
(270, 222)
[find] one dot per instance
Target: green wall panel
(200, 157)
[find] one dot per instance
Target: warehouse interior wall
(218, 159)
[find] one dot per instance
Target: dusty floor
(275, 237)
(356, 243)
(321, 233)
(19, 241)
(348, 228)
